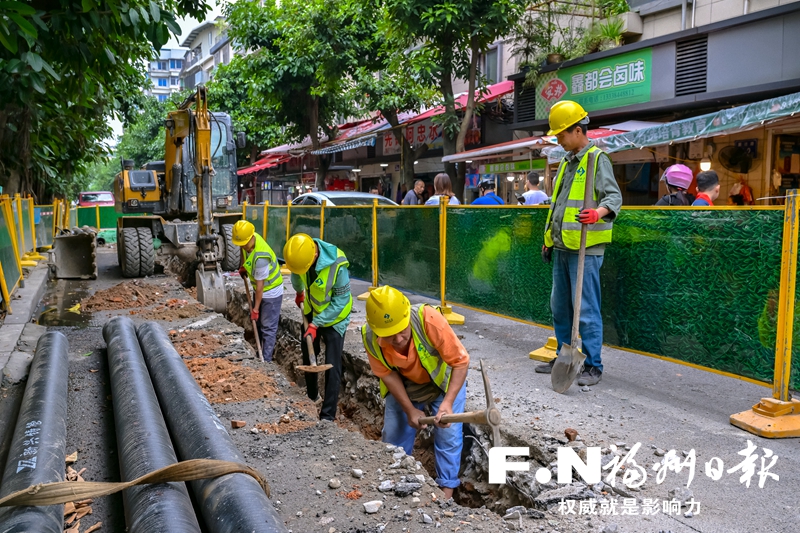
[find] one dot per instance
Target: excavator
(184, 203)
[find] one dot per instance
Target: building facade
(198, 64)
(164, 73)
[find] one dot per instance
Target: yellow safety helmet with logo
(388, 311)
(564, 114)
(299, 252)
(243, 231)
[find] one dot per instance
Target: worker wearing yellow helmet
(421, 365)
(260, 266)
(322, 281)
(569, 211)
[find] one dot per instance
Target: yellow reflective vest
(320, 293)
(429, 357)
(598, 233)
(262, 250)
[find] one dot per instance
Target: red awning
(270, 161)
(492, 92)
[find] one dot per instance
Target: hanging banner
(603, 84)
(426, 132)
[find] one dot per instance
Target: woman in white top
(442, 187)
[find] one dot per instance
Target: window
(162, 82)
(176, 64)
(226, 54)
(174, 81)
(161, 65)
(162, 97)
(490, 64)
(210, 39)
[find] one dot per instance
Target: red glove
(588, 216)
(311, 332)
(254, 314)
(243, 272)
(299, 298)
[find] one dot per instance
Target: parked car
(340, 198)
(93, 198)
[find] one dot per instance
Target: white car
(340, 198)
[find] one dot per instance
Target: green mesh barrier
(44, 226)
(276, 229)
(305, 219)
(255, 214)
(408, 249)
(87, 216)
(11, 273)
(109, 217)
(350, 229)
(17, 229)
(26, 224)
(691, 285)
(494, 261)
(73, 217)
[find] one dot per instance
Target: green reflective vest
(262, 250)
(320, 293)
(598, 233)
(429, 357)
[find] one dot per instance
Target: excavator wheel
(146, 252)
(129, 253)
(233, 253)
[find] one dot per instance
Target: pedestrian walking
(569, 122)
(414, 196)
(421, 365)
(322, 282)
(442, 187)
(488, 196)
(532, 194)
(707, 188)
(678, 179)
(259, 265)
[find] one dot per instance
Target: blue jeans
(268, 316)
(565, 273)
(447, 442)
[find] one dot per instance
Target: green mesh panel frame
(696, 286)
(26, 224)
(17, 229)
(87, 216)
(73, 217)
(44, 228)
(350, 229)
(276, 229)
(255, 215)
(408, 249)
(305, 219)
(11, 272)
(109, 216)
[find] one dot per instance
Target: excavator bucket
(75, 254)
(211, 289)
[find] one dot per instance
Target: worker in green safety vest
(322, 281)
(421, 365)
(260, 266)
(562, 236)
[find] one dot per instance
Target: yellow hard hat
(564, 114)
(299, 253)
(388, 311)
(242, 232)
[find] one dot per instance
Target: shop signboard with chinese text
(426, 132)
(616, 81)
(513, 166)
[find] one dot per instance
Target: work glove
(299, 298)
(243, 272)
(547, 253)
(588, 216)
(254, 314)
(311, 332)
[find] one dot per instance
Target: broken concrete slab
(16, 369)
(26, 299)
(9, 336)
(30, 336)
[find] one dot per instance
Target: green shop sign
(513, 166)
(603, 84)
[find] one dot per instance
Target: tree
(445, 39)
(143, 137)
(65, 66)
(305, 54)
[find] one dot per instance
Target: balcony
(192, 57)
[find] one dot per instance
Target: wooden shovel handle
(588, 200)
(255, 328)
(312, 356)
(472, 417)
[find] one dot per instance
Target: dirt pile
(172, 310)
(126, 295)
(197, 343)
(223, 381)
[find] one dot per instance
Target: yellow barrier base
(33, 256)
(364, 296)
(452, 317)
(28, 263)
(770, 418)
(547, 352)
(285, 271)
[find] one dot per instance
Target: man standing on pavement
(322, 281)
(260, 265)
(414, 196)
(568, 122)
(532, 194)
(421, 363)
(488, 197)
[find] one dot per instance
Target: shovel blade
(566, 368)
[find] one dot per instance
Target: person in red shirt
(421, 364)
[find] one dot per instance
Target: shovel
(312, 356)
(255, 328)
(570, 359)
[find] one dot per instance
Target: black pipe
(37, 449)
(232, 503)
(142, 439)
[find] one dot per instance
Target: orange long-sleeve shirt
(442, 337)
